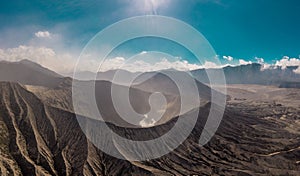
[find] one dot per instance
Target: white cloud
(208, 64)
(243, 62)
(228, 58)
(43, 34)
(281, 64)
(162, 64)
(287, 61)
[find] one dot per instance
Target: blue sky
(242, 29)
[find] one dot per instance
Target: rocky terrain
(38, 139)
(259, 135)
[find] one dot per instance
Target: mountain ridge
(28, 72)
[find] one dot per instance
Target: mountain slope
(43, 140)
(46, 141)
(162, 82)
(61, 97)
(139, 93)
(27, 72)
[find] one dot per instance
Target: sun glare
(150, 6)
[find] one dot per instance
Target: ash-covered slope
(28, 72)
(42, 140)
(61, 97)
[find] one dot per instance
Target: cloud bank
(162, 64)
(286, 61)
(283, 63)
(42, 55)
(65, 63)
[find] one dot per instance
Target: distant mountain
(162, 82)
(242, 74)
(290, 85)
(155, 81)
(28, 72)
(104, 76)
(250, 74)
(82, 75)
